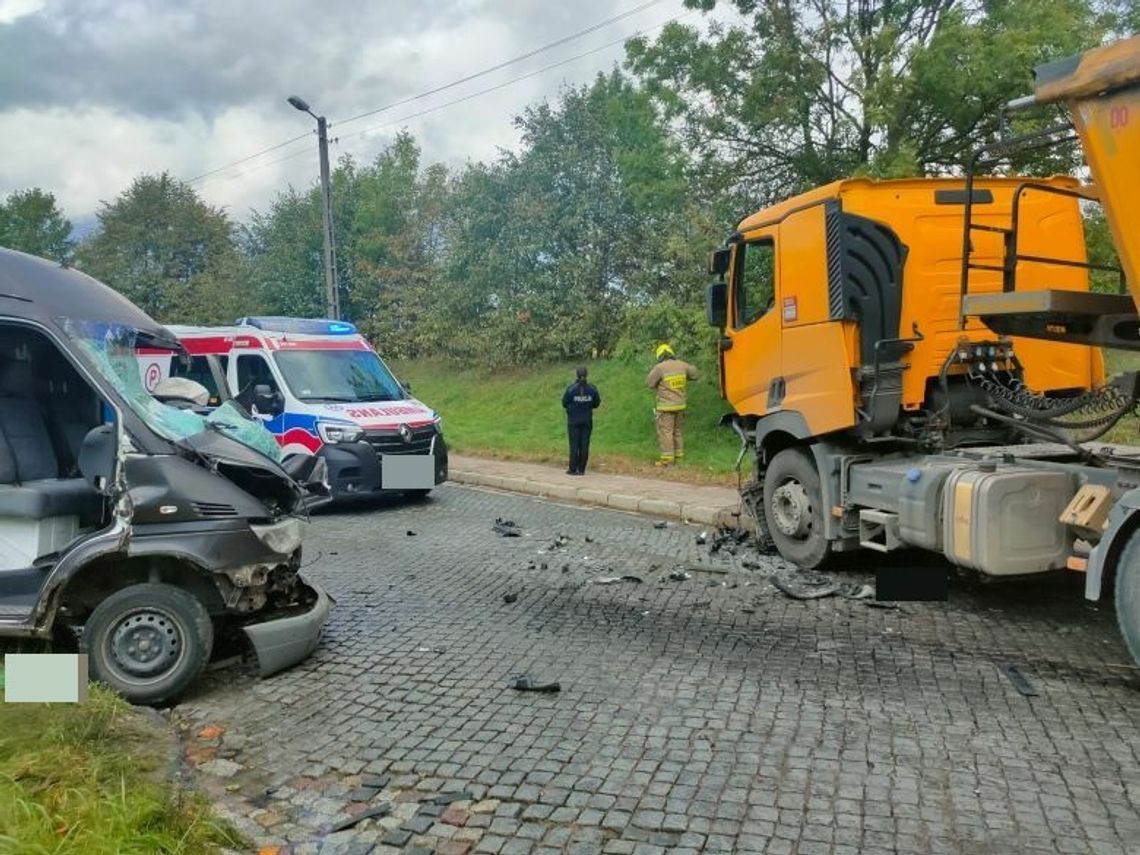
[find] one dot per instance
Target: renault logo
(406, 434)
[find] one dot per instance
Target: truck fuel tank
(1005, 521)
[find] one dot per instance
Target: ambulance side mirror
(716, 304)
(267, 401)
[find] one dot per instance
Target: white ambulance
(321, 389)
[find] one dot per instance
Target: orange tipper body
(1101, 89)
(838, 284)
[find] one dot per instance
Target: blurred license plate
(407, 472)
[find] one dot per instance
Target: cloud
(92, 93)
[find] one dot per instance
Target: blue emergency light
(299, 326)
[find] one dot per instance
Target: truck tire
(793, 508)
(1128, 595)
(148, 642)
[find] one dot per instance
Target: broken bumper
(285, 641)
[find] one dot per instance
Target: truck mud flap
(285, 641)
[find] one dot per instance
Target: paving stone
(685, 722)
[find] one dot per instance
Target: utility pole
(332, 292)
(332, 297)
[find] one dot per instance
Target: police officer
(669, 379)
(580, 400)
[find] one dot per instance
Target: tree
(552, 243)
(169, 252)
(31, 222)
(797, 93)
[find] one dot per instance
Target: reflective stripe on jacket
(669, 379)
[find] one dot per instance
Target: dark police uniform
(580, 400)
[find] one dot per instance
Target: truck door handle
(724, 343)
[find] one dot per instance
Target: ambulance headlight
(334, 432)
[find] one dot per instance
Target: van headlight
(334, 432)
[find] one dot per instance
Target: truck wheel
(793, 508)
(148, 642)
(1128, 596)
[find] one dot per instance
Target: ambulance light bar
(299, 326)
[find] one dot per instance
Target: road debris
(702, 538)
(863, 592)
(613, 580)
(510, 598)
(526, 684)
(506, 528)
(660, 524)
(806, 584)
(410, 533)
(1019, 680)
(680, 576)
(560, 542)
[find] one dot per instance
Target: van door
(751, 347)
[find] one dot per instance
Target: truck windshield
(338, 375)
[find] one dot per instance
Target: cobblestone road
(709, 714)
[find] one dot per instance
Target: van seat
(30, 486)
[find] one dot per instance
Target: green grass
(87, 778)
(517, 414)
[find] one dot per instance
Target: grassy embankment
(517, 414)
(88, 779)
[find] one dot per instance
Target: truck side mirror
(718, 261)
(716, 304)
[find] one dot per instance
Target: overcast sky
(93, 92)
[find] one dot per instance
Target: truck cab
(320, 389)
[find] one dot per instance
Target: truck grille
(390, 441)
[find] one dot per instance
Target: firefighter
(668, 380)
(580, 400)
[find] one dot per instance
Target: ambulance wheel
(1128, 595)
(148, 642)
(793, 508)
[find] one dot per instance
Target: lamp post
(332, 296)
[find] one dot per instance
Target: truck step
(879, 530)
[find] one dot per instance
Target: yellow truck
(918, 363)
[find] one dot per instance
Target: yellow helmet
(664, 349)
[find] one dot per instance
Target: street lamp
(332, 297)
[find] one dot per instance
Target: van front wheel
(793, 508)
(148, 642)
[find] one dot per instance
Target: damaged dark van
(142, 530)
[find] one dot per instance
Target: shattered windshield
(111, 350)
(338, 375)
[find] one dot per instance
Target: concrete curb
(726, 516)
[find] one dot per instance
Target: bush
(684, 327)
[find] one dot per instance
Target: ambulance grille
(390, 441)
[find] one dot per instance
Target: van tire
(1128, 595)
(148, 642)
(793, 508)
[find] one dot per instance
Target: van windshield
(111, 351)
(338, 375)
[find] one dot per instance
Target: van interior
(48, 417)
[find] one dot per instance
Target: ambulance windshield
(111, 351)
(349, 376)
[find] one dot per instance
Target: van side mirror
(267, 401)
(718, 261)
(716, 304)
(97, 458)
